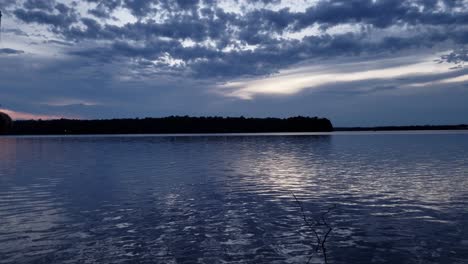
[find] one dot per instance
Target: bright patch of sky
(295, 80)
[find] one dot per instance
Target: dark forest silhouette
(5, 123)
(172, 124)
(186, 124)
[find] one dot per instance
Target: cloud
(8, 51)
(164, 53)
(28, 116)
(7, 3)
(296, 80)
(15, 31)
(458, 57)
(43, 17)
(230, 45)
(61, 102)
(39, 4)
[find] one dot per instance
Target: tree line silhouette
(187, 124)
(172, 124)
(5, 123)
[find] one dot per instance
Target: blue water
(399, 197)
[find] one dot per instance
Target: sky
(356, 62)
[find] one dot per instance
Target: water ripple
(228, 199)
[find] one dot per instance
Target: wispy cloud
(70, 102)
(29, 116)
(297, 79)
(8, 51)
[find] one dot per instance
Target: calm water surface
(400, 198)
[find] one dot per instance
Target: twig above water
(315, 225)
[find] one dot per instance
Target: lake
(399, 197)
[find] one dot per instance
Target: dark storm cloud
(459, 56)
(7, 3)
(206, 62)
(100, 12)
(58, 42)
(176, 29)
(60, 20)
(382, 13)
(104, 8)
(188, 4)
(142, 8)
(7, 51)
(40, 4)
(139, 7)
(265, 1)
(257, 27)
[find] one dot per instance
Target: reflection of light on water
(227, 199)
(276, 170)
(358, 176)
(7, 159)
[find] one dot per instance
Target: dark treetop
(5, 123)
(172, 124)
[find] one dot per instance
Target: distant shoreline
(403, 128)
(171, 125)
(259, 134)
(198, 125)
(337, 129)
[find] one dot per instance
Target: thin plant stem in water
(315, 225)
